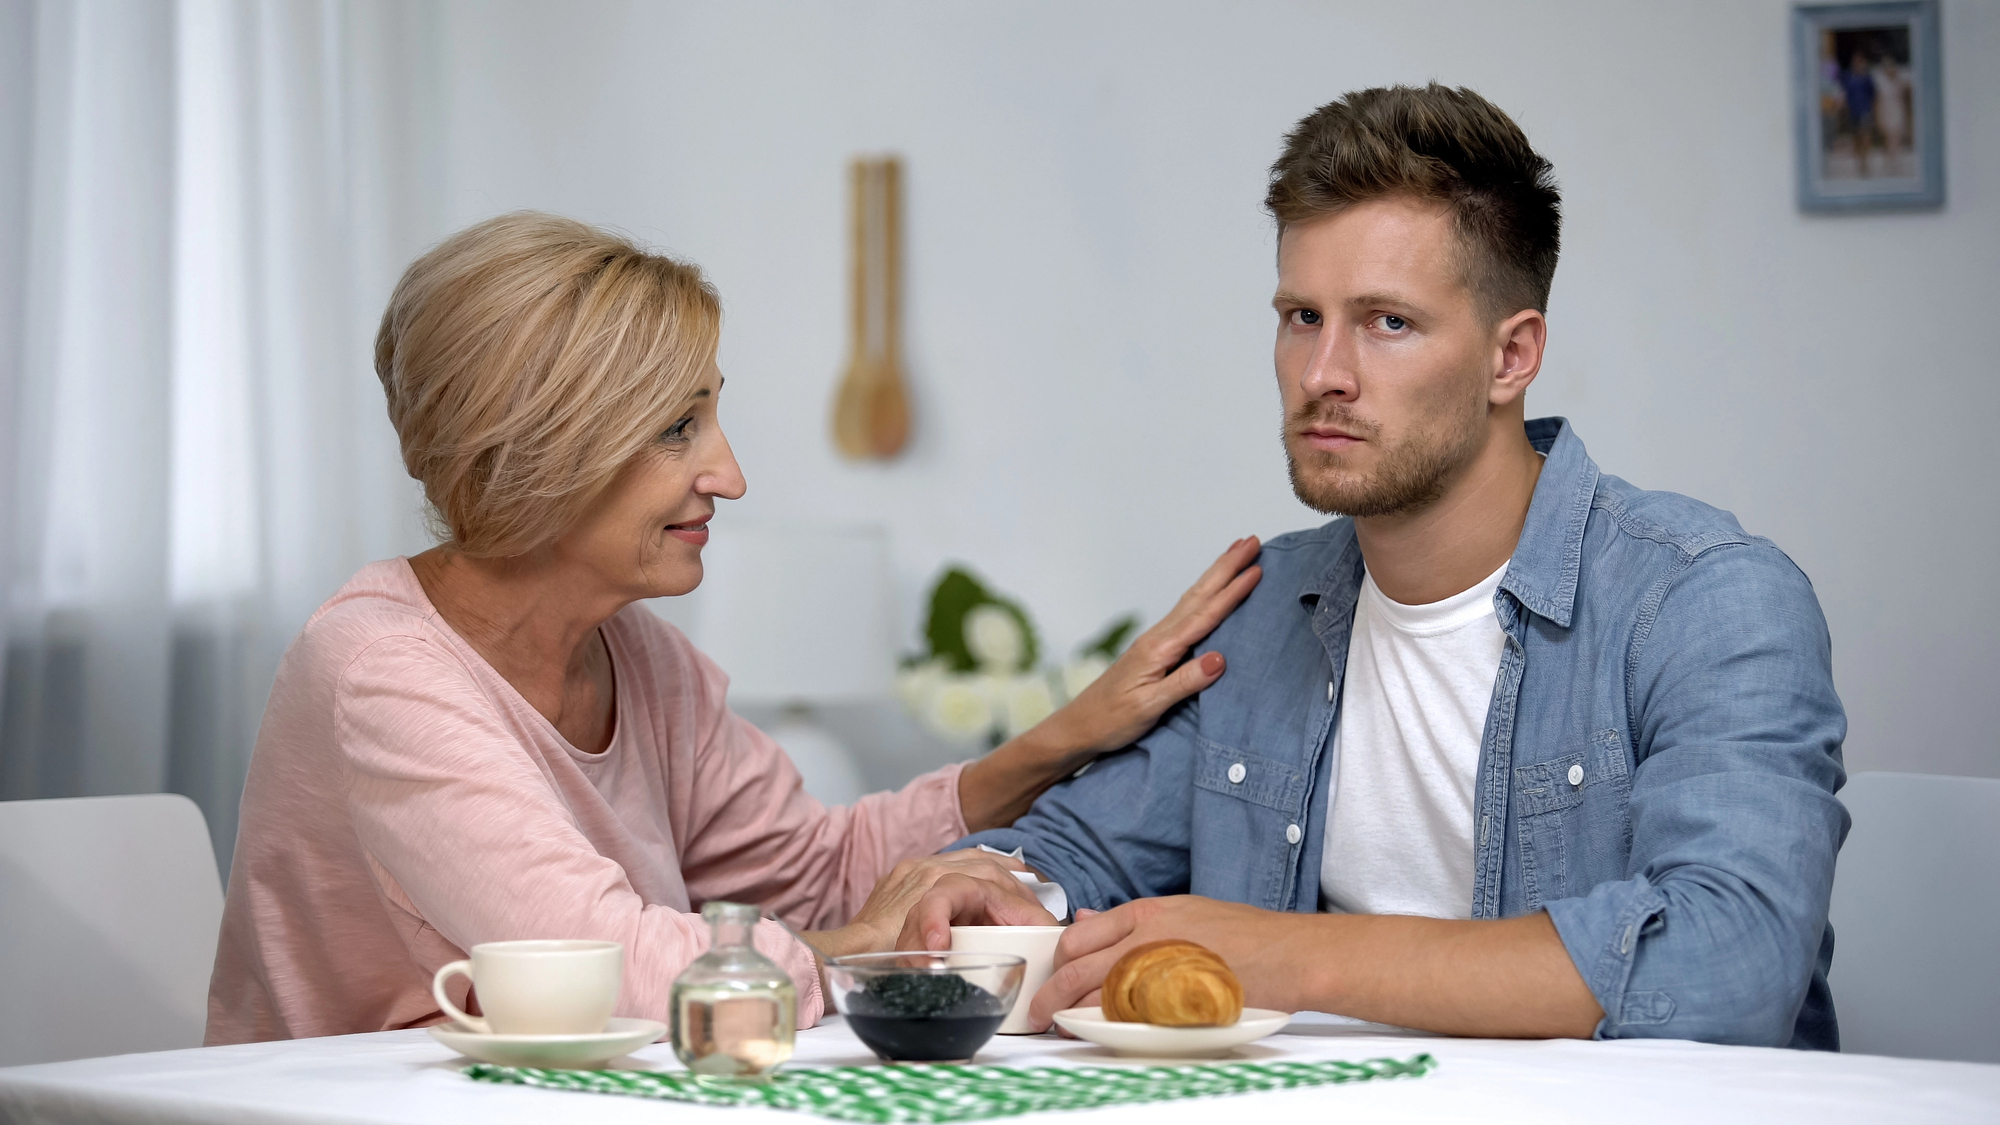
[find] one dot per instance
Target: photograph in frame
(1868, 86)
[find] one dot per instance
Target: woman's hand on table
(1154, 673)
(982, 882)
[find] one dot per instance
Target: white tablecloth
(405, 1076)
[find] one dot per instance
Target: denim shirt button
(1576, 775)
(1292, 834)
(1237, 773)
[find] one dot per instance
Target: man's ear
(1519, 342)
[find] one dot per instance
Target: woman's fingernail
(1211, 663)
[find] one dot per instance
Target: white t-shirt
(1412, 713)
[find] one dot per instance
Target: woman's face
(643, 537)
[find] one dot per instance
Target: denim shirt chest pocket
(1250, 806)
(1566, 809)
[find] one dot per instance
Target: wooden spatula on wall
(871, 409)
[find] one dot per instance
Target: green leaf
(1112, 641)
(956, 594)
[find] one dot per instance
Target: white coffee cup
(538, 987)
(1034, 944)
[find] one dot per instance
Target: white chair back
(1916, 918)
(109, 908)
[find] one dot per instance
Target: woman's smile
(695, 533)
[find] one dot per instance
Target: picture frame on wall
(1868, 88)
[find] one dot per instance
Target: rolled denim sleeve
(1120, 831)
(1716, 930)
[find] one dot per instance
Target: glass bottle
(734, 1010)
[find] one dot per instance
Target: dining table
(408, 1077)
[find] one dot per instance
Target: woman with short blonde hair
(526, 361)
(490, 740)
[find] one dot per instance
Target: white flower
(1027, 701)
(994, 638)
(960, 708)
(1081, 672)
(917, 683)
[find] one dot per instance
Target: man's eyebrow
(1284, 298)
(1380, 298)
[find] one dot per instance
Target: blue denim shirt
(1682, 663)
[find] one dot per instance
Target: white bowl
(1149, 1040)
(620, 1036)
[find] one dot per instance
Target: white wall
(1089, 269)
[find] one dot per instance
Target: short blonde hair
(527, 360)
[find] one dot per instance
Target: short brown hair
(1439, 145)
(529, 358)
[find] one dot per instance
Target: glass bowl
(925, 1007)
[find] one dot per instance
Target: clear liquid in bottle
(734, 1010)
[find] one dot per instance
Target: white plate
(1153, 1041)
(568, 1052)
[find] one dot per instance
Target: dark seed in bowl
(923, 996)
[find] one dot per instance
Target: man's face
(1383, 361)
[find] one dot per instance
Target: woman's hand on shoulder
(1117, 707)
(1155, 671)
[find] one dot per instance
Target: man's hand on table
(1508, 978)
(1244, 936)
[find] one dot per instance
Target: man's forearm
(1495, 979)
(1502, 979)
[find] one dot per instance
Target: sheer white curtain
(204, 205)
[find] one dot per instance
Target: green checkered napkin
(957, 1093)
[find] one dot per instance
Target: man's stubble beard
(1409, 476)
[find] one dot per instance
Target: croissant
(1173, 984)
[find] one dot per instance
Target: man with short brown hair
(1514, 748)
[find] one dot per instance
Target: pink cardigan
(405, 803)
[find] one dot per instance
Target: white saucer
(566, 1052)
(1153, 1041)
